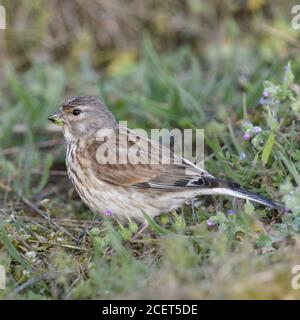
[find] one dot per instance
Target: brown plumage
(101, 163)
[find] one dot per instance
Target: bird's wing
(157, 174)
(157, 166)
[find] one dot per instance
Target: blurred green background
(63, 32)
(213, 49)
(157, 64)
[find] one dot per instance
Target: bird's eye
(76, 112)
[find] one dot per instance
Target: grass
(49, 243)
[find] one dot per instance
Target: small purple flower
(257, 130)
(243, 156)
(209, 223)
(265, 94)
(265, 98)
(246, 136)
(231, 212)
(107, 212)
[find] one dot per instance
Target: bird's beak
(56, 118)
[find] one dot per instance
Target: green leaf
(11, 249)
(249, 208)
(154, 225)
(45, 176)
(264, 241)
(296, 224)
(268, 148)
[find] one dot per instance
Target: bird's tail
(234, 189)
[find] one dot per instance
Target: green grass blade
(154, 225)
(268, 148)
(11, 249)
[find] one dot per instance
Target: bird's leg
(139, 232)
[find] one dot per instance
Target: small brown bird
(112, 184)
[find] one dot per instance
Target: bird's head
(81, 115)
